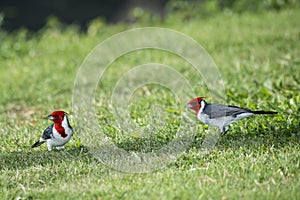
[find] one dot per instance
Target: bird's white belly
(216, 122)
(58, 140)
(221, 121)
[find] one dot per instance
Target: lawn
(257, 56)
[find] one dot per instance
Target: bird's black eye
(55, 116)
(194, 103)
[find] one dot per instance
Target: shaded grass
(258, 57)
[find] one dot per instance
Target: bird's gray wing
(47, 134)
(219, 110)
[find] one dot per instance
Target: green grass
(258, 58)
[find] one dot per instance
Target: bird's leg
(60, 147)
(224, 130)
(49, 147)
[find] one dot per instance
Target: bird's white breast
(58, 140)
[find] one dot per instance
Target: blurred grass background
(256, 48)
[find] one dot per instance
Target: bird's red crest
(57, 116)
(197, 100)
(195, 104)
(59, 113)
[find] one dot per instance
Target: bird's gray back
(219, 110)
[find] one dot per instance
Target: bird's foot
(49, 147)
(60, 148)
(224, 131)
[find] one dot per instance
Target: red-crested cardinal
(57, 134)
(219, 115)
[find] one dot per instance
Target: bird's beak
(50, 117)
(188, 105)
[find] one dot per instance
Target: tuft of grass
(258, 58)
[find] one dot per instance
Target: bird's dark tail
(262, 112)
(38, 143)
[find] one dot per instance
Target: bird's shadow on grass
(248, 139)
(31, 158)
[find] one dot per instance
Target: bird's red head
(57, 116)
(195, 104)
